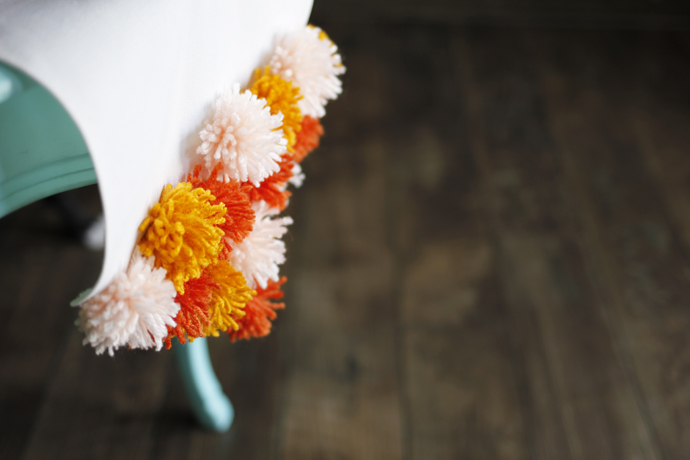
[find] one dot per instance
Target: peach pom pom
(243, 136)
(282, 97)
(310, 60)
(259, 254)
(239, 215)
(135, 309)
(181, 232)
(229, 298)
(307, 138)
(258, 312)
(193, 317)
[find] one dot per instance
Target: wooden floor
(490, 260)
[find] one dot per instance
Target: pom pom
(310, 60)
(259, 255)
(239, 215)
(230, 295)
(283, 98)
(193, 317)
(135, 309)
(258, 312)
(272, 190)
(244, 136)
(297, 178)
(307, 138)
(181, 232)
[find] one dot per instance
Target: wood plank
(38, 269)
(556, 317)
(342, 397)
(633, 248)
(659, 114)
(621, 14)
(459, 371)
(98, 406)
(658, 110)
(175, 433)
(251, 373)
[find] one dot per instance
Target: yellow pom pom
(282, 97)
(229, 298)
(181, 232)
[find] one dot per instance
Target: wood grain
(341, 397)
(555, 316)
(632, 249)
(33, 329)
(458, 372)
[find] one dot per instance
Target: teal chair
(42, 153)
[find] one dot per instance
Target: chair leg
(212, 408)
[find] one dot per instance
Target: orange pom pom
(193, 316)
(272, 189)
(239, 215)
(258, 312)
(307, 139)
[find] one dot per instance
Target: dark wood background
(490, 260)
(645, 14)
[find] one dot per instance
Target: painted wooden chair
(122, 90)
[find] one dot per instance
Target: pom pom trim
(208, 256)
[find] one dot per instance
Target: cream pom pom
(311, 62)
(244, 137)
(260, 253)
(297, 178)
(134, 310)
